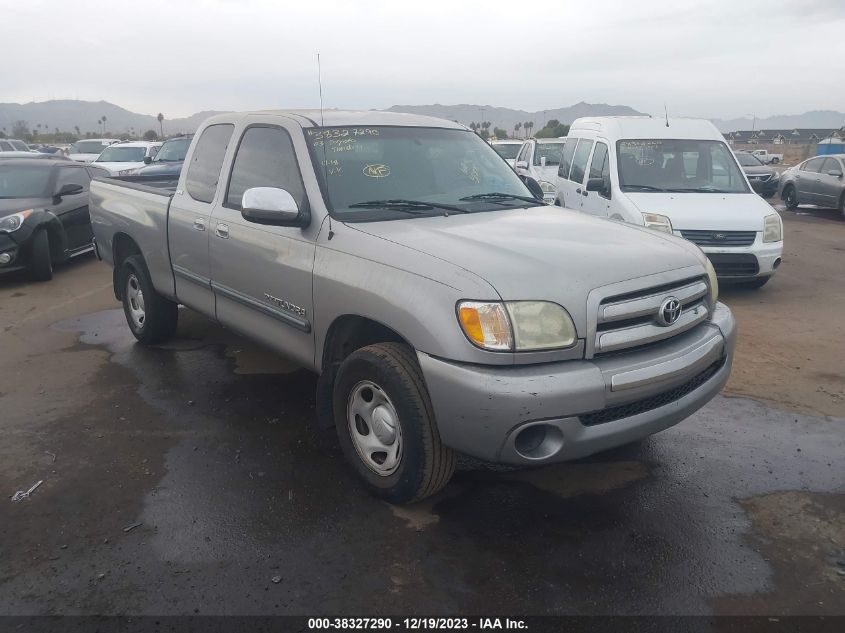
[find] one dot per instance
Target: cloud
(715, 59)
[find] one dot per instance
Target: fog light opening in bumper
(5, 258)
(776, 264)
(538, 441)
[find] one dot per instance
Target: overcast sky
(713, 58)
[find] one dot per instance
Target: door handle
(585, 192)
(578, 190)
(199, 224)
(222, 230)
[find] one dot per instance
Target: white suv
(538, 159)
(677, 176)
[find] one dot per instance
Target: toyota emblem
(669, 312)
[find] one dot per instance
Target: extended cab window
(579, 161)
(265, 158)
(207, 161)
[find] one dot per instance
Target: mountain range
(68, 114)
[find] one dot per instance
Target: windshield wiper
(495, 196)
(642, 187)
(698, 190)
(400, 204)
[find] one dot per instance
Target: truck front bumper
(538, 414)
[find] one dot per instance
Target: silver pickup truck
(443, 306)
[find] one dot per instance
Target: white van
(677, 176)
(538, 159)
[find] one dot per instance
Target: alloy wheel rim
(374, 428)
(135, 299)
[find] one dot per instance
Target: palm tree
(160, 118)
(76, 129)
(516, 130)
(99, 124)
(104, 124)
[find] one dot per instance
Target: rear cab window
(207, 162)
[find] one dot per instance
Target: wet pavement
(188, 478)
(218, 461)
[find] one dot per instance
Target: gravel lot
(205, 447)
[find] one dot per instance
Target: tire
(757, 283)
(775, 161)
(790, 197)
(842, 206)
(151, 317)
(41, 262)
(415, 463)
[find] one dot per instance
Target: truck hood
(706, 211)
(114, 167)
(13, 205)
(543, 253)
(82, 158)
(161, 168)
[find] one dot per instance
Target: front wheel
(842, 206)
(385, 424)
(41, 262)
(151, 317)
(790, 197)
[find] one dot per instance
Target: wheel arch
(123, 246)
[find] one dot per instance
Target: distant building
(796, 136)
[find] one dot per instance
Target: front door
(830, 183)
(807, 181)
(72, 210)
(598, 202)
(262, 274)
(190, 218)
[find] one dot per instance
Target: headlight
(517, 325)
(547, 187)
(126, 172)
(714, 283)
(772, 228)
(13, 222)
(657, 222)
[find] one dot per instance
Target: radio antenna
(323, 124)
(666, 111)
(320, 84)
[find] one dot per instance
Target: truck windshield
(507, 150)
(550, 151)
(115, 154)
(361, 169)
(87, 147)
(17, 181)
(679, 166)
(173, 151)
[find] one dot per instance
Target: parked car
(817, 181)
(43, 214)
(507, 149)
(50, 149)
(762, 178)
(88, 149)
(538, 160)
(766, 158)
(13, 145)
(124, 159)
(401, 259)
(169, 159)
(681, 179)
(31, 155)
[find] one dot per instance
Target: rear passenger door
(190, 218)
(807, 181)
(598, 202)
(262, 274)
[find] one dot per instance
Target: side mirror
(835, 173)
(522, 164)
(69, 190)
(534, 188)
(271, 205)
(148, 160)
(596, 184)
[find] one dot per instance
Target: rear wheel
(386, 426)
(41, 263)
(775, 161)
(842, 206)
(790, 197)
(151, 317)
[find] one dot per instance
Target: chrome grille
(630, 320)
(720, 238)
